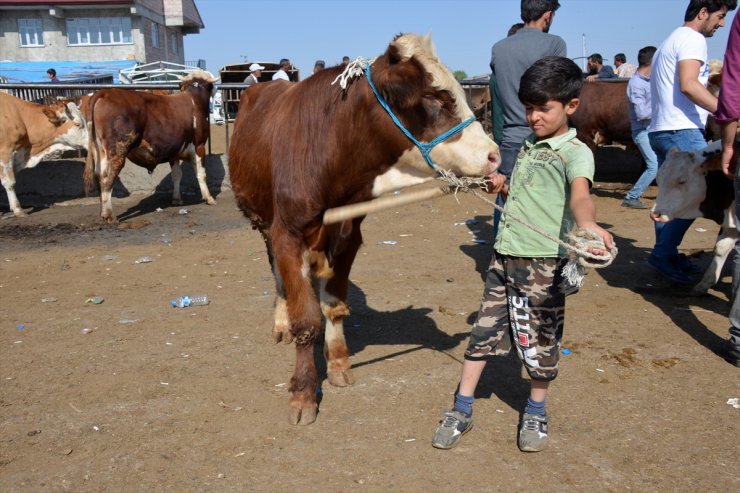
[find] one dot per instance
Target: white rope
(353, 70)
(581, 240)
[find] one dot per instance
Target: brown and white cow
(148, 129)
(30, 132)
(603, 115)
(691, 185)
(301, 148)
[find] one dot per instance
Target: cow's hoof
(20, 213)
(282, 335)
(302, 414)
(176, 201)
(698, 292)
(211, 201)
(112, 220)
(340, 378)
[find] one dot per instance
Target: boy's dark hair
(711, 5)
(52, 72)
(620, 57)
(532, 10)
(551, 78)
(597, 58)
(645, 55)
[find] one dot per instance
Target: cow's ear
(53, 117)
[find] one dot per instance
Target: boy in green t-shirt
(524, 297)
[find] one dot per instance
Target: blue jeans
(669, 235)
(509, 153)
(640, 138)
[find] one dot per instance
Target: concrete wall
(60, 180)
(148, 13)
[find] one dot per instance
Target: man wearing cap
(283, 72)
(319, 66)
(256, 73)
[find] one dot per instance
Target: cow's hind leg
(110, 167)
(333, 292)
(7, 178)
(176, 174)
(305, 319)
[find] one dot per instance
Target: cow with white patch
(148, 129)
(301, 148)
(691, 185)
(30, 132)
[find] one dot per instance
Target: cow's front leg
(7, 177)
(200, 171)
(725, 243)
(305, 318)
(176, 174)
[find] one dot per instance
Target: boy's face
(550, 119)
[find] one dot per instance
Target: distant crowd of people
(283, 71)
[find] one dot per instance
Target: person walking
(640, 112)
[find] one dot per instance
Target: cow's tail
(93, 152)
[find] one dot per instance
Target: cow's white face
(73, 134)
(472, 153)
(682, 185)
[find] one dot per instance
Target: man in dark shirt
(510, 58)
(597, 69)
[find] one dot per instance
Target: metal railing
(44, 93)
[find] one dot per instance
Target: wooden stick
(351, 211)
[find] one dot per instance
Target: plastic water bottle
(186, 301)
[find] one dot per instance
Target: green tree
(460, 74)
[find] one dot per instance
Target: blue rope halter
(427, 147)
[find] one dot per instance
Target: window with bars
(155, 35)
(31, 32)
(99, 31)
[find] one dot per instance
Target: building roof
(62, 3)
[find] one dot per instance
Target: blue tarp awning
(67, 71)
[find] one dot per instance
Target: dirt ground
(134, 395)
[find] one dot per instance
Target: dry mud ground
(196, 399)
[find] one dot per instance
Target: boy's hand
(606, 237)
(497, 184)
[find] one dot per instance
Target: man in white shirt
(256, 72)
(623, 69)
(680, 105)
(282, 73)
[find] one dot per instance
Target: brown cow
(31, 132)
(148, 129)
(603, 115)
(301, 148)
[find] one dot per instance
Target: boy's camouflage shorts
(523, 300)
